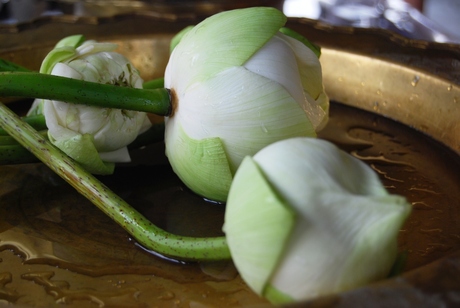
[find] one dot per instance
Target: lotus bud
(95, 137)
(305, 219)
(240, 84)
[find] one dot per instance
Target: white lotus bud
(240, 85)
(95, 137)
(305, 219)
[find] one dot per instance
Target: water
(409, 164)
(56, 247)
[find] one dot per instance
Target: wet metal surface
(55, 247)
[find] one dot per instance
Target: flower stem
(36, 121)
(144, 231)
(154, 83)
(8, 66)
(11, 152)
(36, 85)
(15, 154)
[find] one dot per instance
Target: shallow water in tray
(55, 247)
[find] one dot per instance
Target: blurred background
(431, 20)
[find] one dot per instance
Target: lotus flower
(240, 84)
(95, 137)
(305, 219)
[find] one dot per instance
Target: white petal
(247, 111)
(276, 61)
(118, 156)
(294, 66)
(309, 66)
(64, 70)
(54, 113)
(90, 47)
(118, 130)
(314, 110)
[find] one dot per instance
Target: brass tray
(56, 248)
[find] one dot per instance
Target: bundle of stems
(19, 82)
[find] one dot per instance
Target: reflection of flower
(95, 137)
(305, 219)
(240, 85)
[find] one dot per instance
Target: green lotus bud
(95, 137)
(240, 85)
(305, 219)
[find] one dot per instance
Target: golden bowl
(395, 106)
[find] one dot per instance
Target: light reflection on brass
(420, 100)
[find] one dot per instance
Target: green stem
(36, 121)
(36, 85)
(8, 140)
(146, 233)
(16, 154)
(154, 83)
(8, 66)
